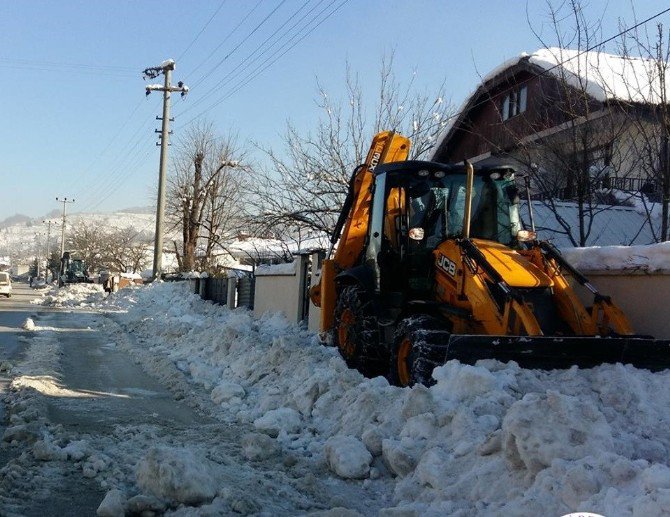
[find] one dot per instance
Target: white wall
(314, 317)
(278, 293)
(643, 297)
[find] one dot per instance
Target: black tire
(418, 347)
(356, 334)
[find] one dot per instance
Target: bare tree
(582, 155)
(88, 242)
(115, 249)
(646, 81)
(127, 250)
(206, 194)
(308, 181)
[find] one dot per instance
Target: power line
(141, 160)
(109, 143)
(201, 30)
(226, 38)
(547, 70)
(279, 54)
(253, 31)
(121, 156)
(270, 61)
(115, 173)
(242, 65)
(122, 163)
(118, 71)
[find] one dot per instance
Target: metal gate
(245, 291)
(216, 290)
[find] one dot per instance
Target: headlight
(416, 234)
(526, 235)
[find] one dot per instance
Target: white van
(5, 284)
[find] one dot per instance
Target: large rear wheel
(356, 334)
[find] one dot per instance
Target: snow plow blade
(548, 353)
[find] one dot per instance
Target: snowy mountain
(23, 238)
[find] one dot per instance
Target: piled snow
(489, 439)
(72, 295)
(177, 475)
(651, 258)
(603, 76)
(348, 457)
(288, 268)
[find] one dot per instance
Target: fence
(235, 291)
(643, 296)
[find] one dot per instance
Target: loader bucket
(549, 353)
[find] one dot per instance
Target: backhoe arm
(352, 224)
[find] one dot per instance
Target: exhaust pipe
(469, 180)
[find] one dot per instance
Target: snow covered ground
(490, 439)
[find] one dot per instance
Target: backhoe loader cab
(432, 264)
(419, 205)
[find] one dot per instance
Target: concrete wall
(314, 317)
(278, 289)
(643, 297)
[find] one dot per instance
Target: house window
(515, 102)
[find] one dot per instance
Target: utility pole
(65, 201)
(165, 68)
(46, 271)
(37, 254)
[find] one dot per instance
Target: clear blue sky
(75, 121)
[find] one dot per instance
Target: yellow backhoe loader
(429, 262)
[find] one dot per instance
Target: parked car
(5, 284)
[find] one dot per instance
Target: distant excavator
(72, 270)
(432, 264)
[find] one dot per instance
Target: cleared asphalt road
(13, 313)
(98, 387)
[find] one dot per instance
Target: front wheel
(417, 349)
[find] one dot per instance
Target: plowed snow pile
(489, 439)
(79, 295)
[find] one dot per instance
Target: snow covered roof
(603, 76)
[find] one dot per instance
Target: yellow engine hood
(515, 269)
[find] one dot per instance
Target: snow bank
(486, 439)
(288, 268)
(178, 475)
(651, 258)
(72, 295)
